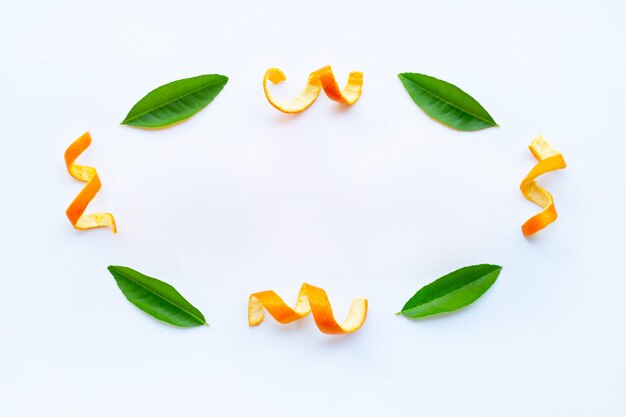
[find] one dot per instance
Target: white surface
(375, 201)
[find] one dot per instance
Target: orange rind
(549, 160)
(76, 210)
(324, 79)
(310, 300)
(349, 95)
(298, 104)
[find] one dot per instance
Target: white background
(371, 201)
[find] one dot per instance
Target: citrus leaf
(446, 102)
(175, 101)
(452, 291)
(156, 298)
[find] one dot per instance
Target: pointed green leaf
(156, 298)
(446, 102)
(452, 291)
(176, 101)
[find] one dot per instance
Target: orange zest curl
(311, 299)
(323, 78)
(75, 211)
(349, 95)
(301, 102)
(549, 160)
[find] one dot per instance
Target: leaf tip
(126, 120)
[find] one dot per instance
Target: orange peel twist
(549, 160)
(323, 78)
(75, 211)
(310, 300)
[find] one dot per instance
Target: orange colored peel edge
(75, 211)
(549, 160)
(310, 300)
(323, 78)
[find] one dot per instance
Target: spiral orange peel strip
(310, 300)
(75, 211)
(549, 160)
(323, 78)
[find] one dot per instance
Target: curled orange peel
(349, 95)
(323, 78)
(310, 300)
(549, 160)
(301, 102)
(75, 211)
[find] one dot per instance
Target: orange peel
(298, 104)
(349, 95)
(549, 160)
(324, 79)
(310, 300)
(76, 210)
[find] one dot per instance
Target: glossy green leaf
(156, 298)
(446, 102)
(176, 101)
(452, 291)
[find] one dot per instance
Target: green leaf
(446, 102)
(156, 298)
(453, 291)
(176, 101)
